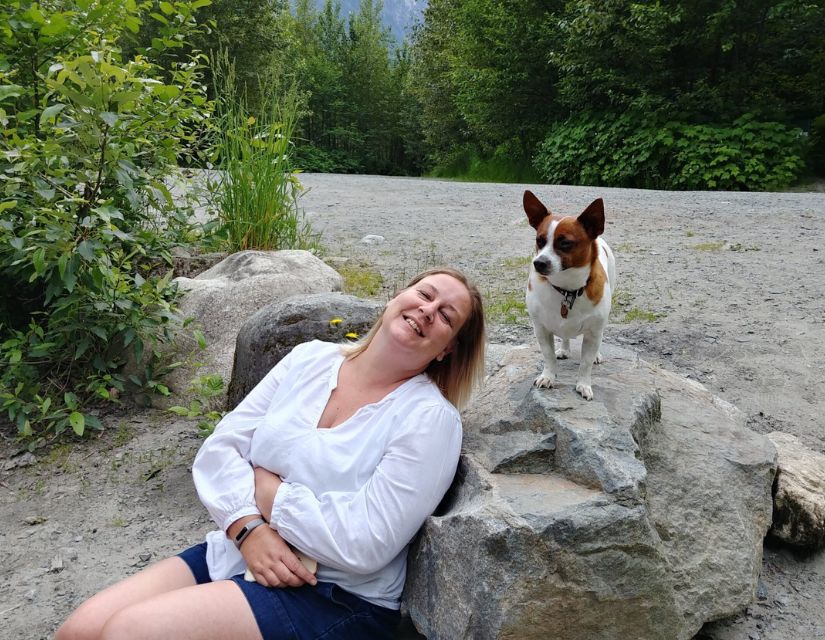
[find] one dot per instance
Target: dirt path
(727, 288)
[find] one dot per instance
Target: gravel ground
(726, 288)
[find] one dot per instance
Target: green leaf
(78, 422)
(132, 23)
(100, 332)
(82, 347)
(93, 423)
(70, 400)
(109, 118)
(50, 112)
(85, 249)
(201, 339)
(57, 24)
(166, 91)
(167, 8)
(39, 260)
(10, 91)
(8, 204)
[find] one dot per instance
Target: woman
(339, 454)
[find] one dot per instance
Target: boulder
(220, 300)
(798, 494)
(271, 333)
(638, 515)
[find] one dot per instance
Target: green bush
(507, 163)
(87, 219)
(646, 151)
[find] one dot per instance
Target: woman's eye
(424, 294)
(446, 318)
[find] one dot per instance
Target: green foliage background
(687, 94)
(101, 102)
(89, 139)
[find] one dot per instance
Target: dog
(570, 286)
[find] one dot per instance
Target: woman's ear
(447, 351)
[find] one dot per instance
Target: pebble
(56, 565)
(372, 239)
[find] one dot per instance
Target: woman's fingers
(287, 577)
(297, 568)
(272, 562)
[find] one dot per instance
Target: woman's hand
(272, 562)
(266, 486)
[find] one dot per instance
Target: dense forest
(682, 94)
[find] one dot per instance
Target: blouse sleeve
(222, 473)
(362, 531)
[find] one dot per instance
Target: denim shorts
(305, 613)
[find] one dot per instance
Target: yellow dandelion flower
(352, 335)
(335, 322)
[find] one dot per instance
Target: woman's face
(426, 317)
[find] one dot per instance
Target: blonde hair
(462, 370)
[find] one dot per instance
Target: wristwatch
(246, 530)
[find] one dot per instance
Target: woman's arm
(222, 472)
(362, 531)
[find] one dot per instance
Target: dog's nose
(542, 265)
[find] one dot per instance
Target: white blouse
(353, 496)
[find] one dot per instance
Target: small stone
(34, 520)
(56, 565)
(372, 239)
(144, 557)
(30, 594)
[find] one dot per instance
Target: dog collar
(569, 298)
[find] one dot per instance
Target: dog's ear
(592, 219)
(535, 210)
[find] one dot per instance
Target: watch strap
(246, 530)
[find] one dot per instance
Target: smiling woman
(337, 456)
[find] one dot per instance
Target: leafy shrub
(642, 150)
(308, 157)
(87, 219)
(507, 163)
(255, 192)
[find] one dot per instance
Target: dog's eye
(564, 244)
(541, 241)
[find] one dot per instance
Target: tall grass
(255, 191)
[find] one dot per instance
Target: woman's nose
(428, 309)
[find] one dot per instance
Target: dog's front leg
(547, 342)
(590, 349)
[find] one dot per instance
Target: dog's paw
(599, 358)
(584, 390)
(562, 354)
(546, 380)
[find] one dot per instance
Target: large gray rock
(799, 494)
(220, 299)
(272, 332)
(638, 515)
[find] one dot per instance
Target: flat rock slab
(638, 515)
(799, 494)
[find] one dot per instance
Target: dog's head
(564, 242)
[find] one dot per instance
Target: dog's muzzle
(543, 266)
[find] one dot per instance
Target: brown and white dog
(569, 290)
